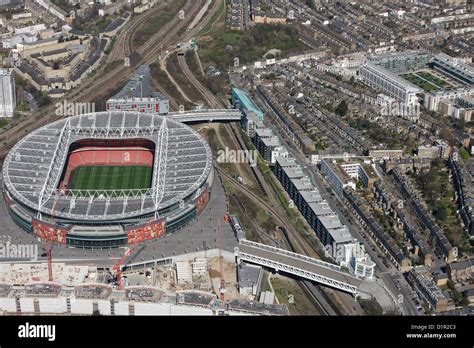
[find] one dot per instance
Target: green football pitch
(111, 178)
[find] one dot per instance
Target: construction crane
(50, 260)
(49, 246)
(117, 267)
(221, 265)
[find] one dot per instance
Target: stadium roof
(33, 168)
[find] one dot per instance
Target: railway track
(99, 86)
(299, 245)
(296, 241)
(213, 102)
(123, 47)
(318, 298)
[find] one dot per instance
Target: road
(344, 214)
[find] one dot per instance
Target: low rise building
(346, 173)
(461, 271)
(137, 95)
(421, 280)
(249, 278)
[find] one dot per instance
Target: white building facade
(7, 93)
(389, 84)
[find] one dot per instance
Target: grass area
(425, 85)
(160, 76)
(192, 62)
(432, 78)
(217, 17)
(111, 177)
(370, 307)
(154, 24)
(4, 121)
(464, 154)
(112, 65)
(223, 46)
(287, 289)
(219, 46)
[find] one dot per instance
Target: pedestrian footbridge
(300, 265)
(204, 115)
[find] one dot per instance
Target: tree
(342, 108)
(311, 4)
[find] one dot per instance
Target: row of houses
(419, 278)
(440, 243)
(359, 206)
(334, 235)
(464, 185)
(396, 207)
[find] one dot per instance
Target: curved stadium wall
(42, 197)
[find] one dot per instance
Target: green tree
(311, 4)
(342, 108)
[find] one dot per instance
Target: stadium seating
(106, 156)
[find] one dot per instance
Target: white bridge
(205, 115)
(300, 265)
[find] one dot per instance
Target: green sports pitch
(111, 178)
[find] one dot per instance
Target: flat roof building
(242, 101)
(402, 62)
(389, 83)
(7, 93)
(453, 68)
(137, 95)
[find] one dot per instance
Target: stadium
(107, 179)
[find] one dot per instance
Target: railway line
(318, 298)
(213, 102)
(112, 78)
(296, 241)
(299, 244)
(123, 47)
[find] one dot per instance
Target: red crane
(50, 260)
(117, 267)
(49, 246)
(219, 247)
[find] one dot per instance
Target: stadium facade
(102, 208)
